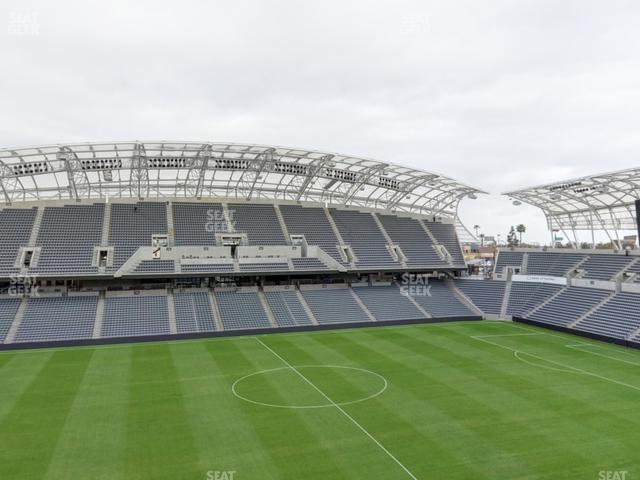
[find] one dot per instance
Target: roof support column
(195, 176)
(139, 181)
(8, 182)
(77, 176)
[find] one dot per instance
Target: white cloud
(499, 95)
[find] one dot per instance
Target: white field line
(564, 336)
(306, 407)
(563, 365)
(518, 355)
(577, 347)
(508, 335)
(629, 352)
(340, 409)
(596, 343)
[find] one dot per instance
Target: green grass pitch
(463, 400)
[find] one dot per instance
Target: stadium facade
(149, 240)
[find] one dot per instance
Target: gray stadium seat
(287, 309)
(360, 231)
(135, 316)
(413, 240)
(15, 229)
(241, 311)
(388, 303)
(57, 318)
(259, 222)
(446, 235)
(8, 309)
(193, 312)
(197, 223)
(569, 305)
(312, 222)
(68, 236)
(487, 295)
(442, 302)
(334, 306)
(133, 225)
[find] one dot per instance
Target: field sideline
(481, 400)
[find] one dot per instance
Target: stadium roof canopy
(238, 171)
(604, 202)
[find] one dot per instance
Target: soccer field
(480, 400)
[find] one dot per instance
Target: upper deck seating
(360, 230)
(15, 229)
(312, 222)
(445, 234)
(508, 259)
(198, 223)
(553, 264)
(133, 225)
(259, 222)
(605, 266)
(67, 238)
(412, 239)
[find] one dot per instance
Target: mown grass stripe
(223, 435)
(455, 408)
(157, 426)
(97, 422)
(343, 412)
(293, 439)
(403, 416)
(16, 377)
(4, 359)
(34, 424)
(504, 385)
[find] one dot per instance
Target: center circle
(309, 386)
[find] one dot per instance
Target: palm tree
(476, 228)
(521, 229)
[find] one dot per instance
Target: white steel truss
(604, 202)
(239, 171)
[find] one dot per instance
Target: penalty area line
(563, 365)
(340, 409)
(591, 352)
(508, 335)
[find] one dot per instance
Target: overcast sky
(498, 94)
